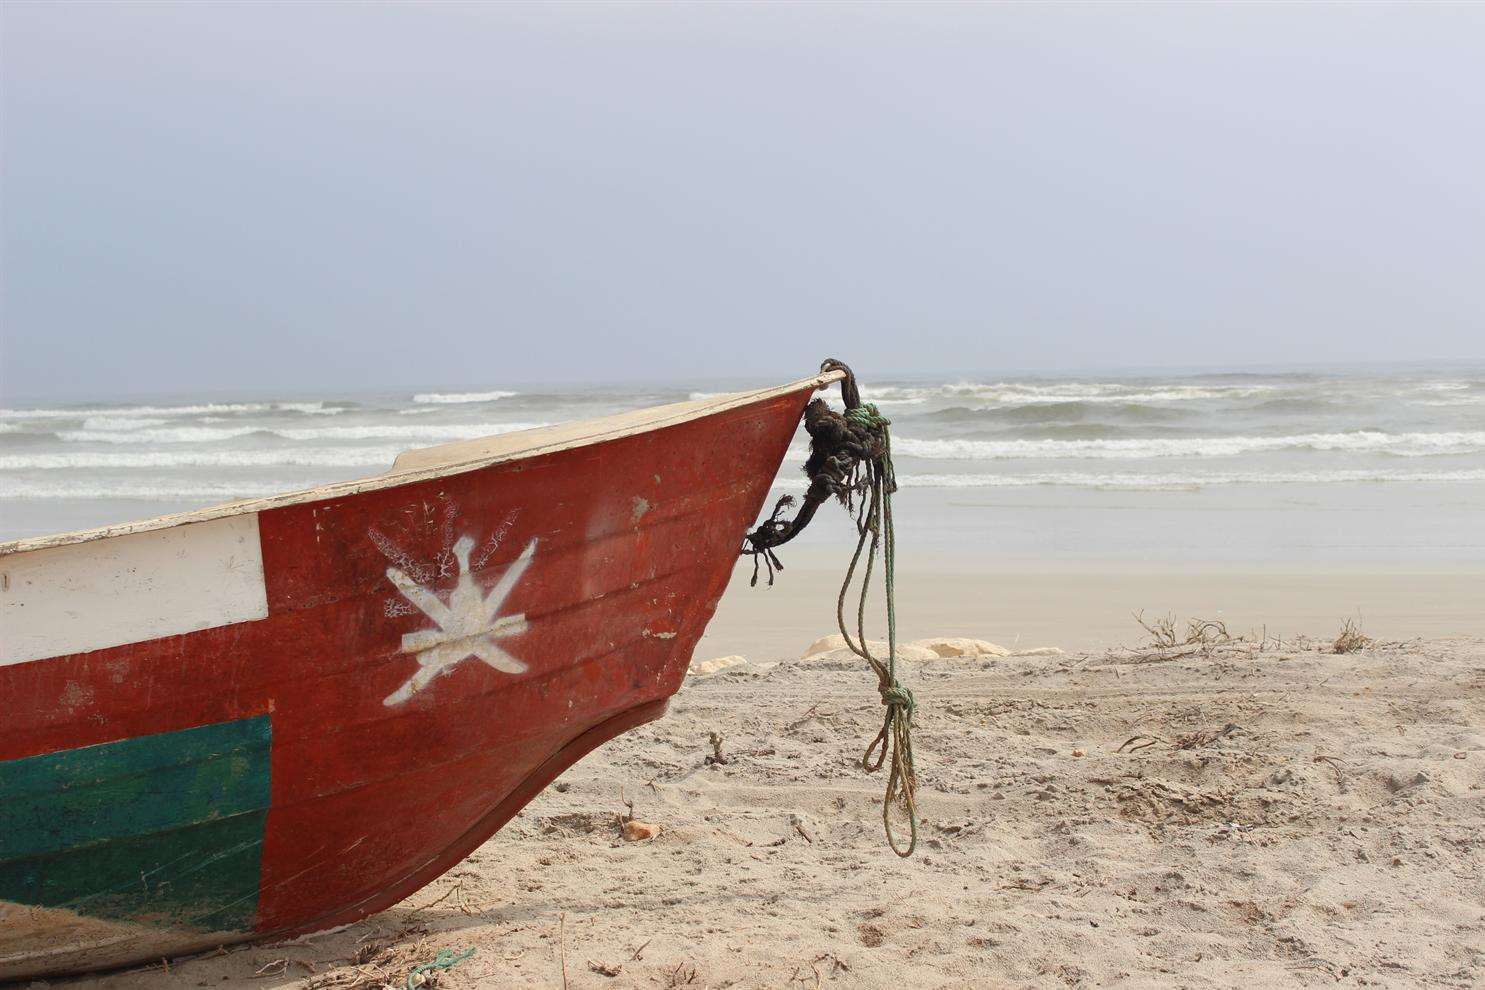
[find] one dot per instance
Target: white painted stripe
(127, 589)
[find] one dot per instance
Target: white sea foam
(1361, 441)
(434, 432)
(1171, 481)
(416, 432)
(121, 422)
(366, 456)
(453, 398)
(170, 434)
(1026, 393)
(1456, 400)
(139, 488)
(74, 487)
(203, 409)
(308, 408)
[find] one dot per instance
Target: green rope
(446, 959)
(895, 740)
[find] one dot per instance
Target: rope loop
(851, 459)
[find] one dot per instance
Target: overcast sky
(202, 197)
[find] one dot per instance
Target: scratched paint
(164, 829)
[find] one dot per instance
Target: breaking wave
(317, 408)
(129, 488)
(1041, 392)
(431, 432)
(217, 491)
(1363, 441)
(1078, 410)
(456, 398)
(295, 456)
(1158, 482)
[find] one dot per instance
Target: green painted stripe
(165, 828)
(142, 754)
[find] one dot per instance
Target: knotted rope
(851, 458)
(446, 959)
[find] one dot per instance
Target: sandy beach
(1238, 814)
(387, 388)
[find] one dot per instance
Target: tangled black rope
(851, 459)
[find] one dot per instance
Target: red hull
(401, 740)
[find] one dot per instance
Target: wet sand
(1089, 606)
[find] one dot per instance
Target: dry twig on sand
(716, 759)
(1162, 633)
(1198, 739)
(1351, 639)
(1203, 638)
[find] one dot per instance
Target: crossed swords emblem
(468, 625)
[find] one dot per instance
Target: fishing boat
(279, 716)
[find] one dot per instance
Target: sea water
(1312, 467)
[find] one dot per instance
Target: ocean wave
(1056, 412)
(1173, 481)
(316, 408)
(432, 432)
(455, 398)
(174, 434)
(205, 489)
(380, 456)
(121, 422)
(1453, 400)
(416, 432)
(1085, 431)
(162, 490)
(1296, 404)
(1047, 392)
(1367, 441)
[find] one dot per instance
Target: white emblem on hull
(467, 626)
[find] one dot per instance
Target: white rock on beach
(825, 644)
(843, 658)
(960, 646)
(708, 667)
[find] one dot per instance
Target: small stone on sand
(635, 831)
